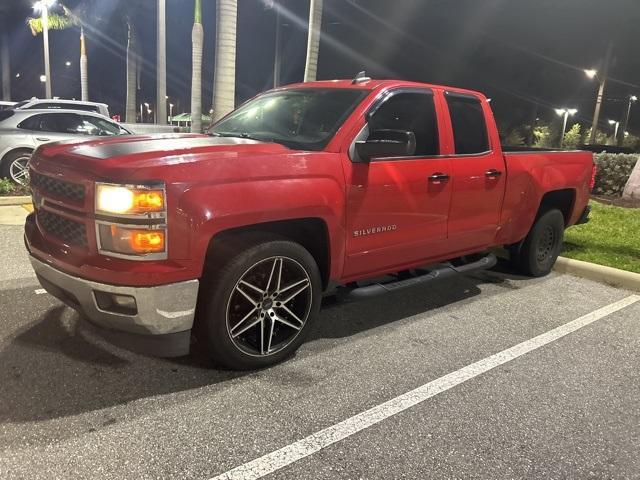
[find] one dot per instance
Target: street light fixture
(602, 80)
(565, 112)
(615, 131)
(67, 63)
(18, 75)
(43, 78)
(43, 7)
(632, 99)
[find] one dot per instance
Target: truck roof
(374, 84)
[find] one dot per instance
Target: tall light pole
(161, 64)
(603, 81)
(43, 7)
(170, 112)
(565, 112)
(625, 125)
(615, 130)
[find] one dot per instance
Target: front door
(397, 208)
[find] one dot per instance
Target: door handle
(492, 173)
(43, 139)
(438, 177)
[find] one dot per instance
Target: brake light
(594, 171)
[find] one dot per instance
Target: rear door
(479, 175)
(396, 213)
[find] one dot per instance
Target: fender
(215, 208)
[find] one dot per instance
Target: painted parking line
(40, 291)
(315, 442)
(28, 207)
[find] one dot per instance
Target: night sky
(518, 52)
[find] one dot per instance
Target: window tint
(31, 123)
(469, 127)
(53, 122)
(99, 126)
(414, 112)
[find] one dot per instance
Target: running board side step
(347, 294)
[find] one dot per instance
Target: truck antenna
(361, 77)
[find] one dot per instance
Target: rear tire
(541, 247)
(250, 315)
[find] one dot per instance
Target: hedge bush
(614, 170)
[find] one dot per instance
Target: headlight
(120, 199)
(131, 241)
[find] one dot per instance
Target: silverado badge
(372, 230)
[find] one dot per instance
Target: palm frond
(56, 22)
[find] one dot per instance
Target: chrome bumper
(161, 311)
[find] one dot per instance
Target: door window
(469, 127)
(410, 111)
(67, 123)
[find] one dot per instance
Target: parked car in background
(22, 131)
(60, 104)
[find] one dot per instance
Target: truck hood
(128, 155)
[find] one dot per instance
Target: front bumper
(160, 326)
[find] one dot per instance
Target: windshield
(304, 119)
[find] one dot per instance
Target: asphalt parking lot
(564, 404)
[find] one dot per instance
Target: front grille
(58, 188)
(67, 230)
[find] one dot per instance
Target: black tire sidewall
(217, 293)
(528, 256)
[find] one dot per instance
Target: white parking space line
(315, 442)
(40, 291)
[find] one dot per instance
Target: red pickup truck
(235, 236)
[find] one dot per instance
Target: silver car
(22, 131)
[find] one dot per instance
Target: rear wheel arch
(563, 200)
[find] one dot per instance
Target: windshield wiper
(242, 135)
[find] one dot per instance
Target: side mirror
(387, 143)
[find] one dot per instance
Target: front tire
(540, 249)
(258, 303)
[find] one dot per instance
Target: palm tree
(132, 73)
(48, 21)
(224, 86)
(84, 74)
(313, 42)
(161, 65)
(6, 67)
(197, 40)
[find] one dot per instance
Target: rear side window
(32, 123)
(469, 127)
(410, 111)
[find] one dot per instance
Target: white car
(60, 104)
(22, 131)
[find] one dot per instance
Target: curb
(19, 200)
(611, 276)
